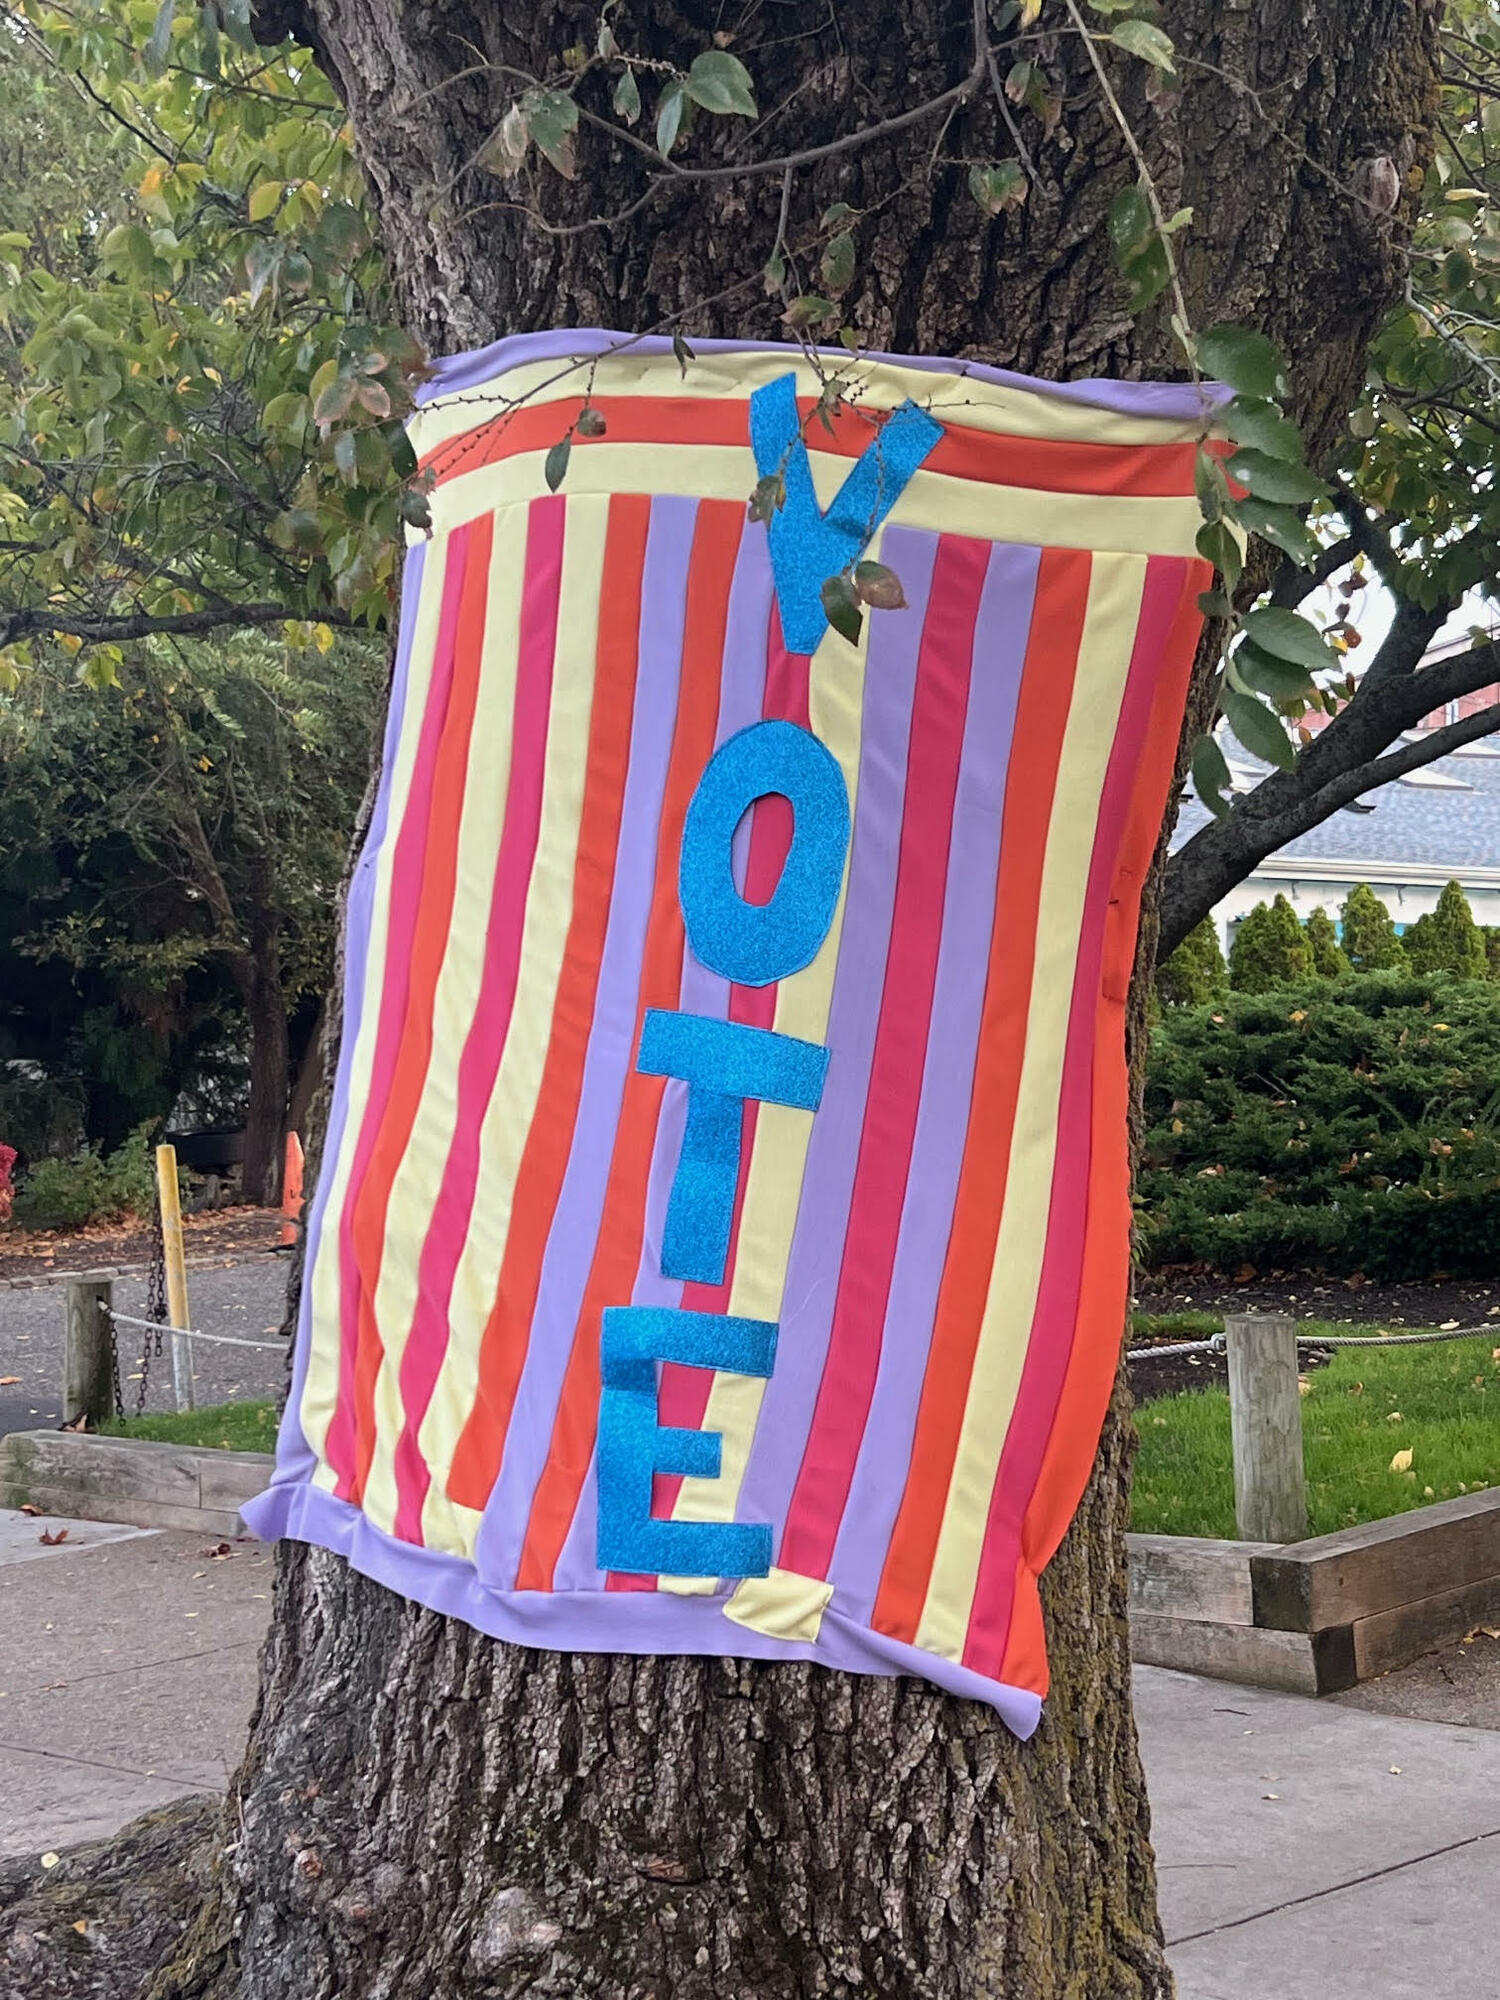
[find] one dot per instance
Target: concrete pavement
(127, 1672)
(1310, 1850)
(1307, 1850)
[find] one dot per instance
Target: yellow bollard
(170, 1205)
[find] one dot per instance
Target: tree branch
(103, 630)
(1294, 586)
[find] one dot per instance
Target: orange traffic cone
(291, 1188)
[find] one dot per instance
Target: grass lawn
(227, 1427)
(1439, 1404)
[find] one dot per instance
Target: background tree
(1448, 939)
(1366, 932)
(1328, 958)
(423, 1810)
(1269, 949)
(1196, 972)
(170, 854)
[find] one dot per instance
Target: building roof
(1445, 817)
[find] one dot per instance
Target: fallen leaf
(51, 1541)
(27, 1508)
(1270, 1795)
(1402, 1461)
(9, 1381)
(217, 1552)
(1395, 1770)
(1490, 1631)
(82, 1927)
(1448, 1325)
(51, 1860)
(1394, 1417)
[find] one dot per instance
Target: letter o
(755, 944)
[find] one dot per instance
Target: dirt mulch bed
(221, 1233)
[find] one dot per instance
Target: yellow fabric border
(781, 1604)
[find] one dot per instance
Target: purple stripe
(853, 1016)
(1173, 402)
(597, 1621)
(947, 1078)
(295, 1458)
(741, 692)
(575, 1224)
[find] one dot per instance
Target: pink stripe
(895, 1093)
(442, 1250)
(1055, 1319)
(408, 858)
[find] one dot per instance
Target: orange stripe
(544, 1160)
(429, 943)
(1047, 465)
(716, 544)
(1090, 1377)
(1041, 723)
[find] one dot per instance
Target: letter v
(807, 545)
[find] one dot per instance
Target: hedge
(1348, 1126)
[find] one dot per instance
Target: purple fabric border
(1173, 402)
(295, 1457)
(596, 1621)
(571, 1241)
(1000, 641)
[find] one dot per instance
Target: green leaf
(1244, 359)
(1211, 776)
(97, 671)
(553, 120)
(1000, 187)
(669, 112)
(159, 42)
(836, 215)
(1210, 485)
(1129, 223)
(1259, 729)
(1282, 527)
(1252, 420)
(682, 354)
(842, 607)
(335, 400)
(1281, 680)
(1273, 479)
(129, 247)
(1146, 40)
(879, 587)
(809, 310)
(263, 199)
(1290, 637)
(1218, 544)
(591, 422)
(721, 83)
(768, 498)
(836, 266)
(627, 98)
(344, 457)
(1148, 274)
(555, 469)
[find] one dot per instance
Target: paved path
(127, 1671)
(1308, 1850)
(1312, 1850)
(245, 1299)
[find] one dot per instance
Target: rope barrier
(191, 1333)
(1216, 1344)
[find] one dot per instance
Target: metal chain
(156, 1307)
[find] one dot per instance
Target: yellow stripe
(1114, 603)
(952, 396)
(773, 1187)
(508, 1115)
(415, 1184)
(321, 1389)
(931, 500)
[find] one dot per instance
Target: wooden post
(169, 1197)
(88, 1352)
(1265, 1415)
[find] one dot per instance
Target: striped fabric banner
(932, 1239)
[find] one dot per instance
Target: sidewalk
(127, 1671)
(1310, 1850)
(1307, 1850)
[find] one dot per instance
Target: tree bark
(423, 1812)
(259, 979)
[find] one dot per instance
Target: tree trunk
(423, 1812)
(259, 980)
